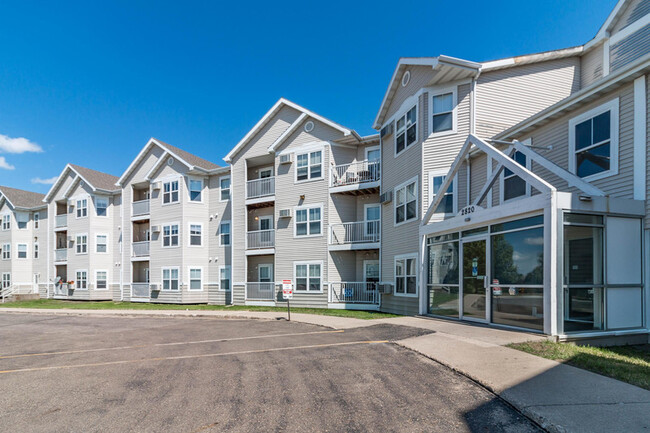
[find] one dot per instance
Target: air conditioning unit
(386, 197)
(387, 130)
(70, 239)
(285, 213)
(155, 229)
(386, 288)
(154, 287)
(285, 159)
(156, 185)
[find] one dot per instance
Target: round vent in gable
(170, 161)
(309, 126)
(406, 78)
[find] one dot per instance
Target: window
(6, 280)
(406, 202)
(37, 218)
(593, 142)
(224, 233)
(82, 280)
(82, 244)
(442, 112)
(82, 208)
(309, 166)
(22, 251)
(406, 280)
(196, 283)
(196, 186)
(170, 192)
(373, 216)
(308, 221)
(406, 130)
(170, 278)
(513, 185)
(224, 186)
(22, 223)
(102, 244)
(6, 222)
(101, 206)
(101, 280)
(170, 235)
(308, 276)
(436, 179)
(195, 234)
(224, 278)
(36, 250)
(6, 252)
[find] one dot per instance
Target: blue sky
(90, 82)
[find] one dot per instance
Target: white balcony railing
(354, 293)
(355, 173)
(260, 239)
(260, 291)
(61, 255)
(61, 221)
(260, 187)
(141, 249)
(140, 290)
(355, 233)
(61, 289)
(140, 207)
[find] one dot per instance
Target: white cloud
(17, 145)
(534, 241)
(49, 181)
(4, 164)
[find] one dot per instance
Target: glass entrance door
(474, 280)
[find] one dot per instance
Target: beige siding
(420, 77)
(633, 11)
(591, 66)
(630, 49)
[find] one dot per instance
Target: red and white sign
(287, 289)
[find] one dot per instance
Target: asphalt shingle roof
(22, 198)
(190, 158)
(96, 178)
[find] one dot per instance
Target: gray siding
(635, 10)
(630, 49)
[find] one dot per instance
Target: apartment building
(307, 190)
(23, 236)
(175, 228)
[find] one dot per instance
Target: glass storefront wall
(442, 278)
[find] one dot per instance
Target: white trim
(191, 179)
(189, 278)
(613, 107)
(9, 222)
(76, 279)
(442, 172)
(454, 111)
(502, 177)
(282, 138)
(18, 244)
(2, 284)
(221, 189)
(268, 266)
(170, 180)
(189, 236)
(640, 137)
(417, 277)
(307, 208)
(309, 165)
(162, 234)
(97, 243)
(77, 243)
(108, 204)
(308, 263)
(415, 180)
(222, 222)
(157, 166)
(370, 149)
(365, 266)
(261, 169)
(629, 30)
(229, 267)
(96, 285)
(399, 115)
(6, 250)
(602, 32)
(606, 61)
(269, 218)
(77, 207)
(162, 279)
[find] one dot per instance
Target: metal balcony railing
(355, 173)
(260, 239)
(355, 232)
(140, 207)
(260, 187)
(354, 293)
(61, 221)
(61, 255)
(141, 249)
(260, 291)
(140, 290)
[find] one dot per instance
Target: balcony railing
(141, 249)
(140, 207)
(355, 173)
(354, 293)
(140, 290)
(61, 221)
(260, 291)
(260, 239)
(361, 232)
(260, 187)
(61, 289)
(61, 255)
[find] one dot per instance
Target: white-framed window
(196, 190)
(224, 188)
(448, 204)
(593, 142)
(406, 278)
(82, 208)
(196, 234)
(170, 236)
(224, 278)
(81, 244)
(170, 192)
(406, 202)
(81, 282)
(36, 250)
(224, 233)
(308, 276)
(37, 218)
(21, 220)
(406, 130)
(196, 278)
(6, 222)
(308, 221)
(6, 252)
(101, 243)
(170, 278)
(443, 111)
(101, 280)
(21, 251)
(101, 206)
(309, 166)
(6, 280)
(513, 186)
(265, 273)
(372, 217)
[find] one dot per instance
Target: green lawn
(629, 364)
(109, 305)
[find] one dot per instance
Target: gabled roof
(607, 25)
(190, 160)
(272, 112)
(97, 180)
(21, 199)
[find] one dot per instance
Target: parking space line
(179, 343)
(206, 355)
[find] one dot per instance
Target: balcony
(61, 221)
(361, 235)
(260, 292)
(140, 249)
(140, 208)
(360, 293)
(260, 242)
(61, 255)
(260, 190)
(356, 178)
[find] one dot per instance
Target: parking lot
(83, 374)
